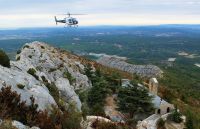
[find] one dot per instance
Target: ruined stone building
(161, 106)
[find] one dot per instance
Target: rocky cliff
(141, 70)
(38, 68)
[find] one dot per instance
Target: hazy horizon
(17, 14)
(101, 26)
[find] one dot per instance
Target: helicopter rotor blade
(78, 14)
(73, 14)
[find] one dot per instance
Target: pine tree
(134, 99)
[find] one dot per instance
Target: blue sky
(39, 13)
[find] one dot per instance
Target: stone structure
(125, 82)
(153, 86)
(161, 106)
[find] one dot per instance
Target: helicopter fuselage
(70, 21)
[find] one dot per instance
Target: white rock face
(51, 65)
(11, 77)
(19, 125)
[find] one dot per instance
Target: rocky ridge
(141, 70)
(39, 64)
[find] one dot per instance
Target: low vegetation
(20, 86)
(18, 58)
(42, 47)
(175, 116)
(54, 92)
(4, 59)
(18, 51)
(97, 124)
(7, 124)
(52, 89)
(52, 70)
(12, 108)
(161, 124)
(68, 75)
(189, 120)
(26, 46)
(32, 72)
(30, 56)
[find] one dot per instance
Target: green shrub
(26, 46)
(175, 116)
(30, 56)
(54, 92)
(52, 70)
(44, 79)
(89, 71)
(32, 72)
(42, 47)
(71, 118)
(85, 110)
(97, 110)
(189, 120)
(18, 51)
(18, 58)
(160, 124)
(103, 125)
(68, 75)
(4, 59)
(82, 94)
(97, 124)
(20, 86)
(131, 122)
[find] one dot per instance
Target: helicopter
(68, 20)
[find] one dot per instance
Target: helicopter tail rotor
(56, 20)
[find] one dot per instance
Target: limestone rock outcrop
(39, 65)
(141, 70)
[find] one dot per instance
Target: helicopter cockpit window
(70, 20)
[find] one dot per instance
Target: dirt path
(110, 109)
(170, 125)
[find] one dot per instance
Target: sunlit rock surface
(51, 66)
